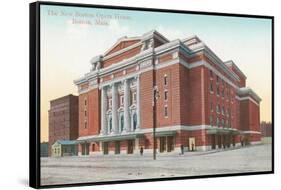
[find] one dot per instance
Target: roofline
(248, 90)
(123, 38)
(230, 62)
(66, 96)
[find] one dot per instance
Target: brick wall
(146, 99)
(89, 113)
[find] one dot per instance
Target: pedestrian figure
(182, 149)
(141, 151)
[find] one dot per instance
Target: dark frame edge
(272, 95)
(34, 96)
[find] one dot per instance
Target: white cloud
(172, 33)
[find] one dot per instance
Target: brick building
(203, 103)
(63, 119)
(266, 129)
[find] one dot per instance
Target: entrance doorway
(223, 141)
(219, 141)
(170, 144)
(117, 147)
(130, 147)
(191, 143)
(233, 140)
(213, 139)
(162, 147)
(85, 149)
(105, 148)
(228, 141)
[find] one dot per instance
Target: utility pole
(154, 104)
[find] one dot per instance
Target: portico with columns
(120, 103)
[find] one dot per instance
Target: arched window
(122, 122)
(135, 121)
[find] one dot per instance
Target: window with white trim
(218, 109)
(226, 112)
(165, 80)
(166, 95)
(211, 74)
(166, 111)
(211, 87)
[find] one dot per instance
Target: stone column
(114, 109)
(127, 94)
(138, 103)
(103, 111)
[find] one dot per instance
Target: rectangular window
(211, 73)
(211, 87)
(166, 95)
(211, 120)
(85, 102)
(85, 112)
(218, 90)
(166, 111)
(218, 109)
(85, 124)
(218, 79)
(165, 80)
(211, 106)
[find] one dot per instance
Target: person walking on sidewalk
(141, 151)
(182, 150)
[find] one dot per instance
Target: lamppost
(156, 96)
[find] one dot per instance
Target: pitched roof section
(125, 41)
(122, 43)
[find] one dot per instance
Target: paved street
(124, 167)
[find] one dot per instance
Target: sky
(71, 36)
